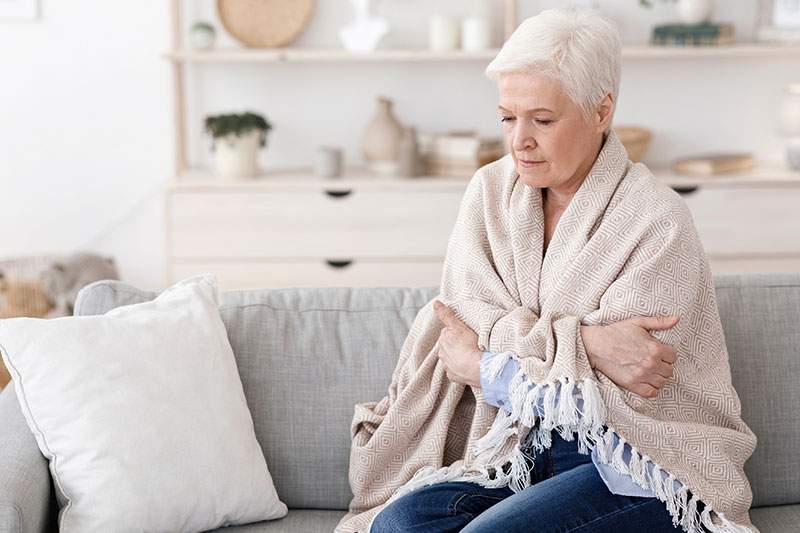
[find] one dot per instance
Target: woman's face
(552, 144)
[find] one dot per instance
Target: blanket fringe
(575, 410)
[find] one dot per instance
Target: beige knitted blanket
(625, 246)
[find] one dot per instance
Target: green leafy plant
(238, 124)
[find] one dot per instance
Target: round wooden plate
(265, 23)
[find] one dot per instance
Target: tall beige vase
(381, 144)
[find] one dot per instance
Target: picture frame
(779, 21)
(19, 10)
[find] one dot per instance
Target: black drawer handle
(339, 194)
(340, 263)
(684, 191)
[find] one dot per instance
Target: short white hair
(578, 47)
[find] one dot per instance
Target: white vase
(365, 32)
(235, 155)
(694, 11)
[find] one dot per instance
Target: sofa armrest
(25, 486)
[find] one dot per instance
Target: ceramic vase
(235, 155)
(382, 139)
(694, 11)
(365, 32)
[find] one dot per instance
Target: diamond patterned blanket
(625, 246)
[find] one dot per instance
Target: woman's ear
(605, 110)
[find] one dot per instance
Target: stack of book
(705, 34)
(713, 163)
(458, 154)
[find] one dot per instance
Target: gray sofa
(306, 356)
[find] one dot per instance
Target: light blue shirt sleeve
(496, 393)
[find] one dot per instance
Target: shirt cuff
(496, 393)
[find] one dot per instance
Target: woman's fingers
(656, 381)
(664, 369)
(654, 323)
(446, 315)
(644, 390)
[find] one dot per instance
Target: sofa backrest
(761, 318)
(306, 356)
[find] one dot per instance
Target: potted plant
(236, 140)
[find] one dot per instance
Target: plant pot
(236, 155)
(694, 11)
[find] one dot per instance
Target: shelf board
(763, 174)
(300, 179)
(732, 51)
(302, 55)
(766, 174)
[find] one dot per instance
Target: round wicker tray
(265, 23)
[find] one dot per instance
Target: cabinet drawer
(747, 221)
(269, 274)
(311, 224)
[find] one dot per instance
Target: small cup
(328, 162)
(476, 34)
(443, 33)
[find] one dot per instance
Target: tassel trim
(572, 419)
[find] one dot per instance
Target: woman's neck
(557, 198)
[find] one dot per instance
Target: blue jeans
(566, 495)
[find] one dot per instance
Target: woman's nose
(522, 138)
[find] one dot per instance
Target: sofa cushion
(305, 356)
(777, 519)
(297, 521)
(759, 316)
(154, 385)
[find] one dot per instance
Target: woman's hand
(631, 357)
(458, 348)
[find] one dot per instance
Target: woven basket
(265, 23)
(635, 140)
(21, 293)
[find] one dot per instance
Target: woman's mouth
(530, 162)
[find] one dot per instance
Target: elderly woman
(575, 377)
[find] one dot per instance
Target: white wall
(86, 101)
(85, 109)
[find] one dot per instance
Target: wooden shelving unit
(289, 227)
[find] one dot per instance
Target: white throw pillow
(142, 415)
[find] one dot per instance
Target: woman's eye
(506, 119)
(544, 122)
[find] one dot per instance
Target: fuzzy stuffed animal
(66, 277)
